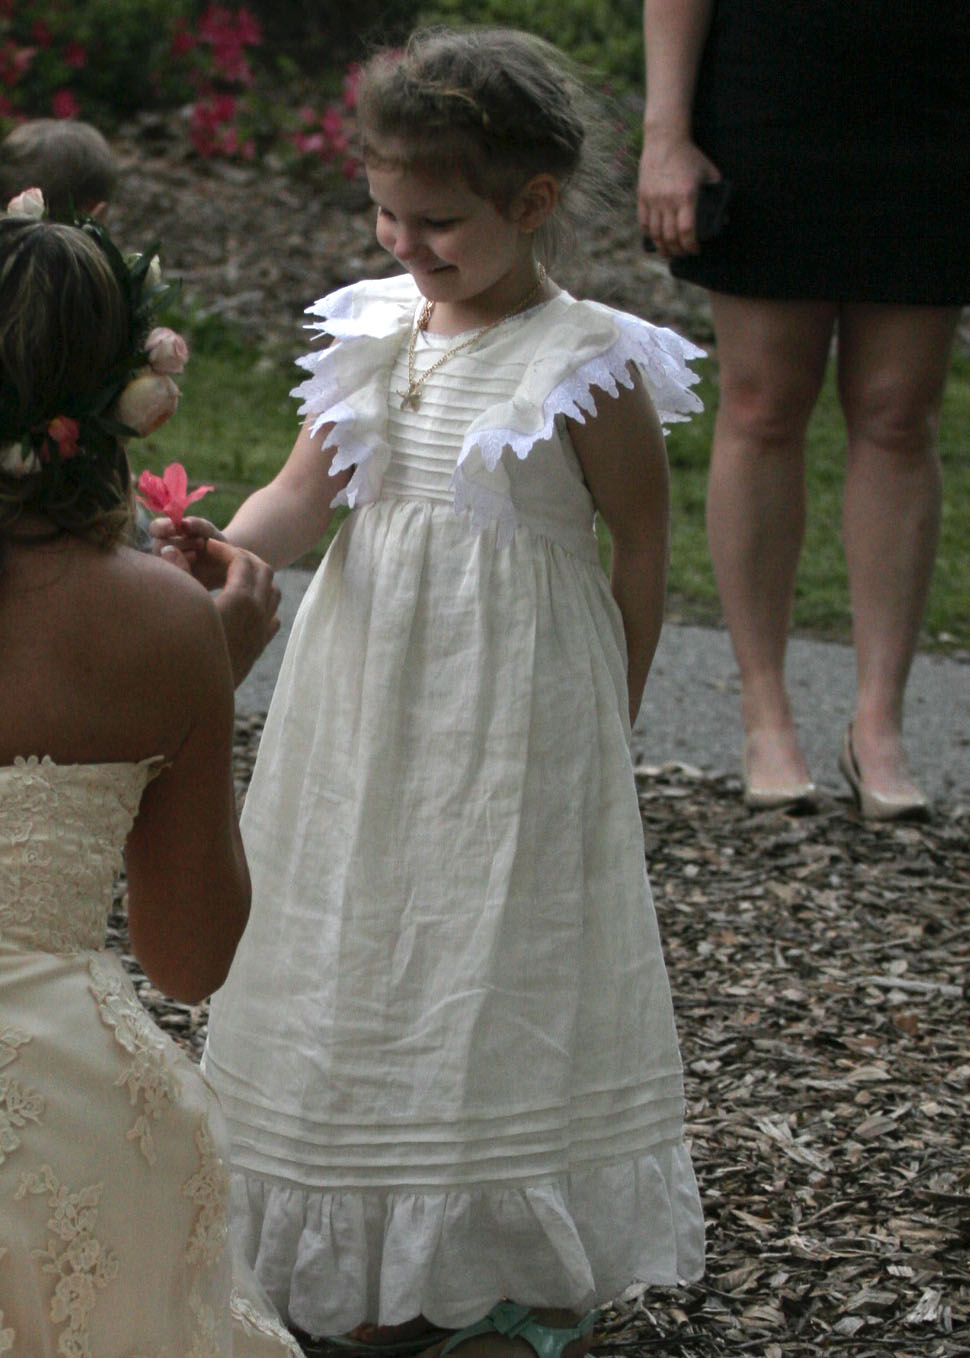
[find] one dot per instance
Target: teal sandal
(513, 1321)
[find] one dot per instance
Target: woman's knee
(766, 409)
(895, 415)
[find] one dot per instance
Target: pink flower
(14, 61)
(64, 105)
(147, 402)
(183, 39)
(30, 203)
(75, 56)
(167, 494)
(167, 351)
(248, 28)
(65, 432)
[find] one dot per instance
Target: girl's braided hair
(495, 105)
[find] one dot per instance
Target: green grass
(237, 422)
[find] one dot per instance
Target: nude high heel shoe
(796, 797)
(875, 805)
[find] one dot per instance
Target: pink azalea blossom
(64, 105)
(166, 350)
(75, 56)
(168, 493)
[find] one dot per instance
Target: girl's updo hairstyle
(64, 330)
(495, 105)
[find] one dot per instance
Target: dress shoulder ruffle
(573, 345)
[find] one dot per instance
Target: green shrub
(309, 33)
(605, 36)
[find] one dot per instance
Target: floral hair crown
(138, 394)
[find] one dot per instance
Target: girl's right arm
(291, 514)
(277, 523)
(672, 166)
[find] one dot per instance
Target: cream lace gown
(113, 1186)
(446, 1049)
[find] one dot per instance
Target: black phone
(711, 213)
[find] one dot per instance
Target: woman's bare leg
(772, 358)
(893, 363)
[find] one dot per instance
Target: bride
(116, 718)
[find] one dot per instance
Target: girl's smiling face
(474, 261)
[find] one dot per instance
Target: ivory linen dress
(446, 1048)
(113, 1180)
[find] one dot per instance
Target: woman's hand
(672, 168)
(247, 604)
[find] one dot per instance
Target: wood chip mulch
(821, 976)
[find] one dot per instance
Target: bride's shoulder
(155, 596)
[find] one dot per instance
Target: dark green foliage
(310, 31)
(605, 36)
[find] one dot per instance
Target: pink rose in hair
(65, 432)
(168, 493)
(167, 351)
(147, 402)
(30, 203)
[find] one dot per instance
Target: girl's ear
(535, 202)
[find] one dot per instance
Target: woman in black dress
(844, 130)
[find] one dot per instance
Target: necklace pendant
(409, 400)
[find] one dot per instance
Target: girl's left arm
(624, 460)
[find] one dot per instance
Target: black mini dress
(844, 126)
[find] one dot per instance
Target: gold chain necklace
(411, 398)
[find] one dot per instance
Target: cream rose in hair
(147, 402)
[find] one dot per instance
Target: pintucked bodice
(62, 832)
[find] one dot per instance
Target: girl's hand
(672, 168)
(185, 546)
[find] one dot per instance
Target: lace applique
(10, 1040)
(209, 1189)
(255, 1321)
(7, 1333)
(84, 1266)
(18, 1106)
(62, 831)
(148, 1077)
(205, 1343)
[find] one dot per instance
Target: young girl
(446, 1048)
